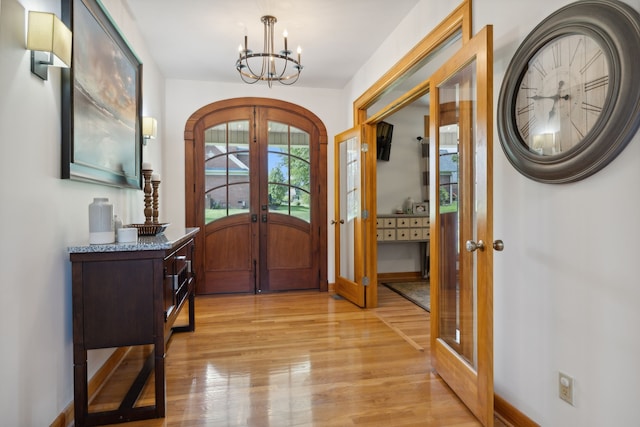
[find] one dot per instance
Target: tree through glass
(289, 171)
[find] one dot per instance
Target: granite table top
(165, 240)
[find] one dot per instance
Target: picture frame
(101, 101)
(421, 208)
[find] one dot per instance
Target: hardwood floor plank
(300, 359)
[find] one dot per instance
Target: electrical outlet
(565, 388)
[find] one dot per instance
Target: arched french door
(255, 181)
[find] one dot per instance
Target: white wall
(40, 215)
(566, 288)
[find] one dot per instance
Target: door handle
(264, 217)
(254, 218)
(473, 246)
(498, 245)
(334, 222)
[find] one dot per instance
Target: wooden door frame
(478, 395)
(458, 21)
(194, 186)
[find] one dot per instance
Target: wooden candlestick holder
(155, 185)
(148, 210)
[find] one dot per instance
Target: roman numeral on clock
(596, 83)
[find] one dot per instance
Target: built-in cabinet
(130, 295)
(406, 229)
(393, 228)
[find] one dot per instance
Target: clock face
(570, 100)
(563, 91)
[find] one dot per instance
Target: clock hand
(552, 113)
(554, 97)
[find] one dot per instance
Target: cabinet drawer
(426, 222)
(416, 234)
(416, 222)
(388, 222)
(425, 234)
(177, 273)
(389, 234)
(404, 223)
(403, 234)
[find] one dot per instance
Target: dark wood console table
(130, 294)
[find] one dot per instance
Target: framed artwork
(101, 101)
(421, 208)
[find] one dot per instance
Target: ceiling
(199, 39)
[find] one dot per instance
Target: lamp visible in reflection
(49, 41)
(149, 129)
(544, 144)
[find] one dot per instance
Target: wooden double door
(255, 186)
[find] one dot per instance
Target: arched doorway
(255, 181)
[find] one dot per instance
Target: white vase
(407, 207)
(101, 222)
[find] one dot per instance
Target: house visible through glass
(227, 171)
(228, 176)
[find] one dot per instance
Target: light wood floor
(301, 359)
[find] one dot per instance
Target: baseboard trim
(510, 415)
(67, 417)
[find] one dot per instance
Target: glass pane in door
(457, 211)
(350, 204)
(289, 171)
(226, 170)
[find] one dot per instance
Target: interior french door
(349, 225)
(256, 169)
(462, 225)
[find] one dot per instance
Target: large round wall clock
(570, 98)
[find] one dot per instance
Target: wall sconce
(149, 129)
(49, 41)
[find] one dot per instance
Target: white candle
(155, 177)
(146, 166)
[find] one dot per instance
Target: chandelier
(268, 65)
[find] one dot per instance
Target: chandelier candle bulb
(285, 34)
